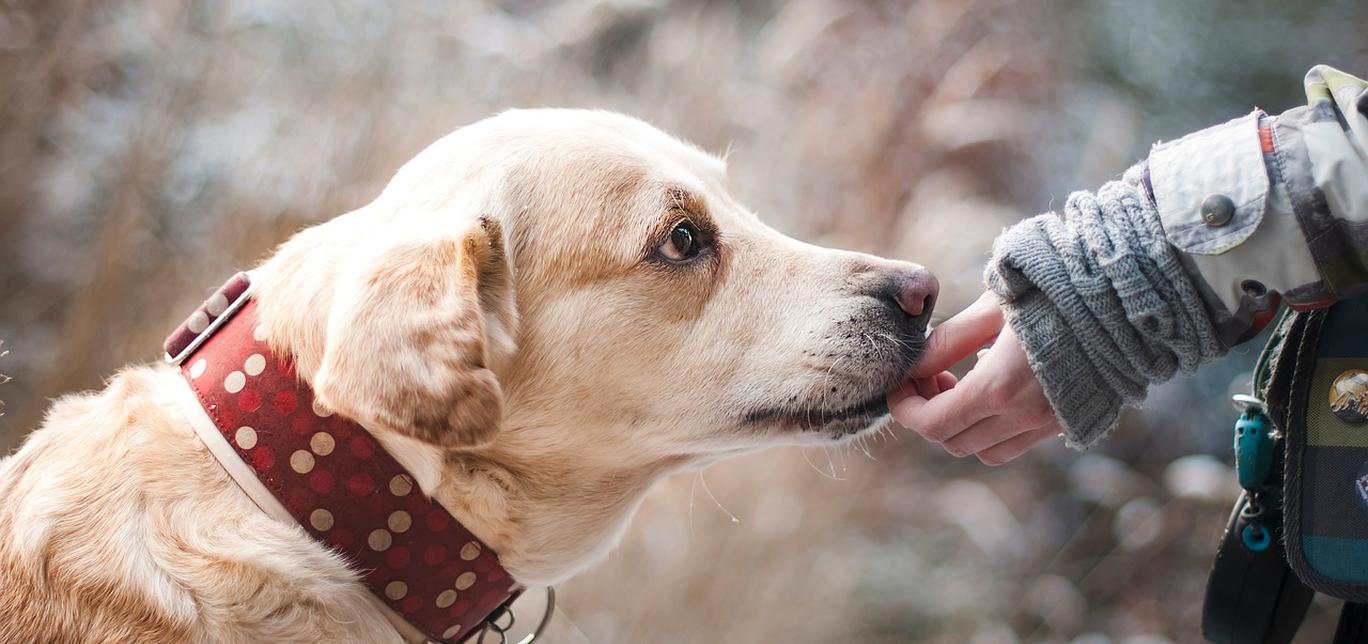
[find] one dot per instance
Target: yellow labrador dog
(540, 316)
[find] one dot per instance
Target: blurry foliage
(1189, 63)
(149, 148)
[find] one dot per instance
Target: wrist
(1086, 405)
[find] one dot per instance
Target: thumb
(958, 337)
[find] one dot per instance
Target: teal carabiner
(1254, 444)
(1255, 436)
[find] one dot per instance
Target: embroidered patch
(1349, 396)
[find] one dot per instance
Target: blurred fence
(149, 148)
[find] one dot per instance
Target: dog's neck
(548, 517)
(546, 514)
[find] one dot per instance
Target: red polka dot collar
(331, 477)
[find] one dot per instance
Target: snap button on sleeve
(1211, 187)
(1217, 210)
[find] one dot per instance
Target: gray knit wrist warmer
(1102, 304)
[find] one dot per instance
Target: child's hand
(998, 410)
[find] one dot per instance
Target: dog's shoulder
(116, 524)
(68, 523)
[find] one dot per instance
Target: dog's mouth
(838, 423)
(826, 410)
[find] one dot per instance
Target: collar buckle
(208, 317)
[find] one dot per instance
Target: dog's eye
(683, 243)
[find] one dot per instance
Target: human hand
(997, 412)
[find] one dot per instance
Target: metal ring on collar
(502, 629)
(546, 617)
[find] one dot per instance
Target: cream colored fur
(499, 318)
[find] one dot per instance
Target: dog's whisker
(899, 341)
(714, 499)
(832, 465)
(823, 393)
(815, 468)
(864, 448)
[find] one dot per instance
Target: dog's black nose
(914, 290)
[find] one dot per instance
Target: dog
(542, 314)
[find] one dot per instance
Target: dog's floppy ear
(409, 345)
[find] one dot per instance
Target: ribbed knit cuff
(1086, 406)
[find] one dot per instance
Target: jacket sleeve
(1268, 210)
(1189, 253)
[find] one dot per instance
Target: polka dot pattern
(399, 521)
(470, 551)
(245, 437)
(234, 382)
(398, 557)
(302, 461)
(320, 410)
(216, 305)
(198, 322)
(343, 488)
(321, 520)
(322, 443)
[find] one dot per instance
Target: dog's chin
(828, 424)
(817, 419)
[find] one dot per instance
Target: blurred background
(148, 149)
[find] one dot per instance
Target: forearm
(1102, 303)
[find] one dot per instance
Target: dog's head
(583, 270)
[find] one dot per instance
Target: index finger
(960, 336)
